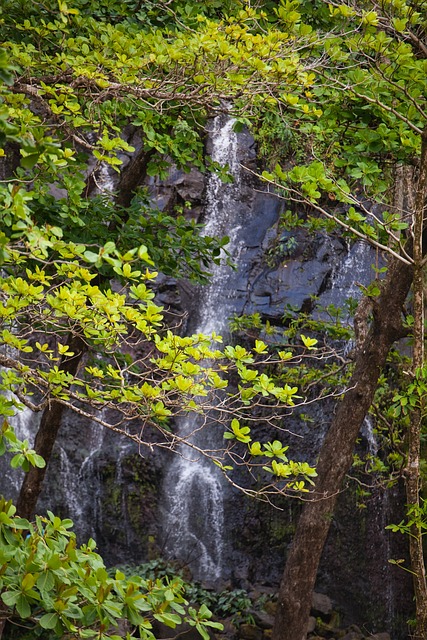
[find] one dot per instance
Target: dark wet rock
(321, 604)
(248, 631)
(271, 607)
(353, 635)
(262, 619)
(311, 624)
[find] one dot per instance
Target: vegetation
(371, 135)
(234, 603)
(85, 93)
(336, 95)
(63, 590)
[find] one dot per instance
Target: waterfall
(194, 518)
(221, 214)
(25, 423)
(354, 270)
(368, 432)
(80, 482)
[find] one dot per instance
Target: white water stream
(194, 519)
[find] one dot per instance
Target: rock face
(114, 494)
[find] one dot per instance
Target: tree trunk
(46, 436)
(295, 594)
(413, 471)
(132, 176)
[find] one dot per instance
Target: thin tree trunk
(295, 594)
(412, 471)
(133, 175)
(46, 436)
(3, 621)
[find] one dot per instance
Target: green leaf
(10, 597)
(260, 346)
(28, 581)
(309, 343)
(90, 256)
(17, 461)
(23, 606)
(169, 619)
(400, 24)
(204, 612)
(46, 581)
(203, 632)
(30, 160)
(50, 620)
(255, 449)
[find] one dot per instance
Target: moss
(129, 508)
(281, 530)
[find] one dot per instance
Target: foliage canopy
(126, 89)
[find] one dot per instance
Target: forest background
(335, 95)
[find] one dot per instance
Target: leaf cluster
(48, 580)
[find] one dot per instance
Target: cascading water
(80, 483)
(354, 270)
(194, 519)
(368, 432)
(24, 422)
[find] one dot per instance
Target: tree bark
(132, 176)
(413, 470)
(295, 594)
(46, 436)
